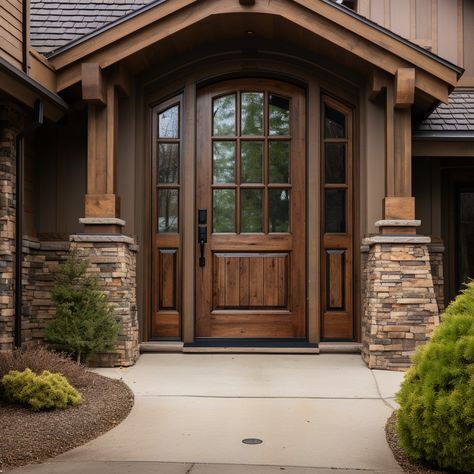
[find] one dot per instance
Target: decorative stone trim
(400, 306)
(398, 223)
(102, 221)
(102, 238)
(436, 251)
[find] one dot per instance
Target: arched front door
(250, 205)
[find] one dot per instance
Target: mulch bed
(31, 437)
(407, 464)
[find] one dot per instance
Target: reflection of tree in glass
(278, 162)
(224, 210)
(252, 113)
(279, 209)
(334, 124)
(251, 162)
(251, 210)
(168, 123)
(224, 162)
(168, 163)
(279, 115)
(167, 210)
(224, 115)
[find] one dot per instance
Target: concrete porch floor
(314, 413)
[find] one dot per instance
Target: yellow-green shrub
(40, 392)
(436, 416)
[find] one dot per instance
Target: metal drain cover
(252, 441)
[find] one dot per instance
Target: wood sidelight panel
(250, 203)
(336, 223)
(250, 281)
(166, 228)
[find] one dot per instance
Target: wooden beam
(402, 152)
(93, 88)
(377, 83)
(404, 87)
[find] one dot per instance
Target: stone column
(113, 261)
(10, 123)
(401, 308)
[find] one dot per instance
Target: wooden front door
(250, 210)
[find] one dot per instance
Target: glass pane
(168, 162)
(279, 210)
(279, 115)
(168, 123)
(224, 115)
(335, 163)
(224, 162)
(278, 167)
(334, 123)
(252, 113)
(251, 162)
(224, 210)
(168, 210)
(335, 210)
(251, 210)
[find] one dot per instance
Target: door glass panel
(251, 162)
(224, 115)
(279, 210)
(335, 210)
(278, 115)
(252, 113)
(168, 163)
(168, 210)
(278, 167)
(168, 123)
(251, 210)
(335, 163)
(224, 210)
(466, 236)
(334, 123)
(224, 162)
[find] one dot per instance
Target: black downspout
(25, 35)
(20, 156)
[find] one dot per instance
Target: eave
(26, 90)
(385, 51)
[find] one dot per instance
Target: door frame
(154, 89)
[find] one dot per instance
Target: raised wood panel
(249, 281)
(336, 276)
(167, 279)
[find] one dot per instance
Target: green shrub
(84, 322)
(436, 415)
(40, 392)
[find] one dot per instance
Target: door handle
(202, 237)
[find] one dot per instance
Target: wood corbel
(404, 88)
(93, 84)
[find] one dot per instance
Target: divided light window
(167, 169)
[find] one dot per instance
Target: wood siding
(11, 24)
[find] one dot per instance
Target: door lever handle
(202, 237)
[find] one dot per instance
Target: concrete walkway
(314, 414)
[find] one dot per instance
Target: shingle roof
(55, 23)
(458, 114)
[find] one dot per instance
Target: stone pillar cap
(398, 223)
(102, 220)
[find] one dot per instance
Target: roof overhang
(26, 90)
(325, 19)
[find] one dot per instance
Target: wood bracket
(404, 87)
(377, 83)
(93, 84)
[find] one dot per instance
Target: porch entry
(250, 215)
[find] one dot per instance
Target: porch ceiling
(157, 28)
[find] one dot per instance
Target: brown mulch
(406, 463)
(30, 437)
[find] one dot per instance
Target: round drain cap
(252, 441)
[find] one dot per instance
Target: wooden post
(102, 206)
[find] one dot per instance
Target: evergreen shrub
(40, 392)
(84, 321)
(436, 415)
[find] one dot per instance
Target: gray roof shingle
(457, 115)
(55, 23)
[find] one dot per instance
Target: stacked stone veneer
(436, 251)
(113, 260)
(400, 304)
